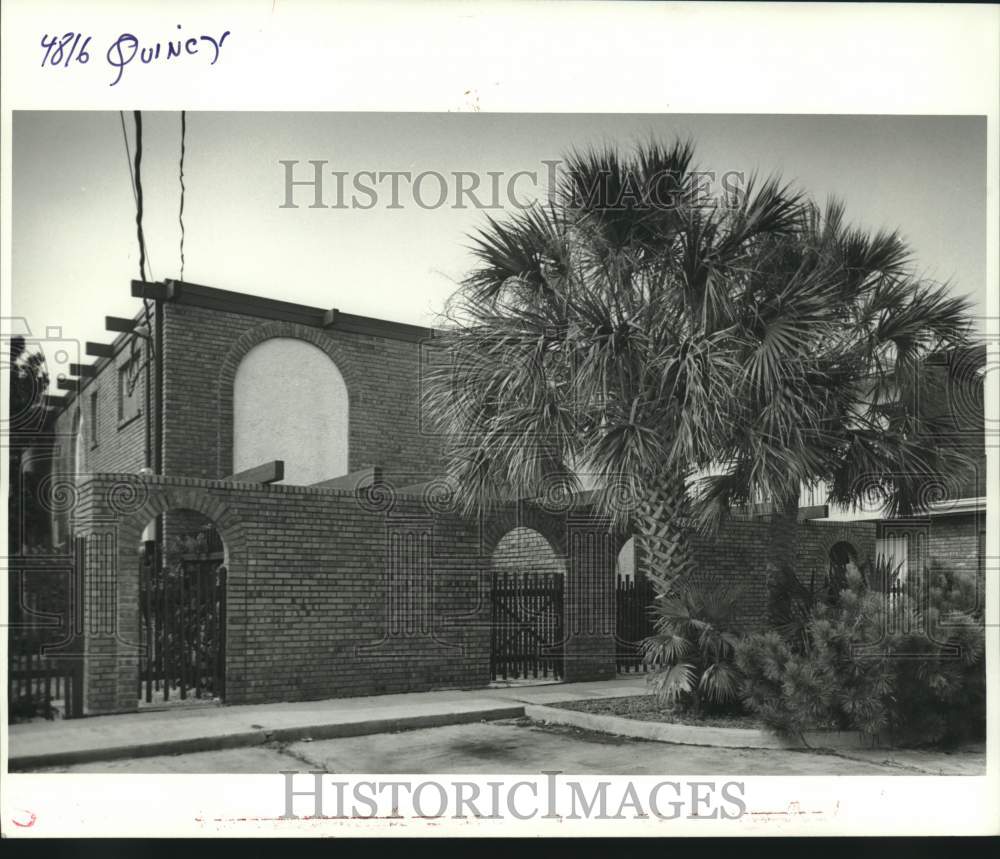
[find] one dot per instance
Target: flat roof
(229, 301)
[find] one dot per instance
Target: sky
(74, 235)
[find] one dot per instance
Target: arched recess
(73, 459)
(842, 557)
(525, 550)
(290, 403)
(285, 379)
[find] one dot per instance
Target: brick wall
(326, 597)
(107, 443)
(202, 349)
(329, 593)
(740, 554)
(118, 445)
(958, 542)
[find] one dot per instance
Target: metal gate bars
(633, 621)
(527, 627)
(182, 625)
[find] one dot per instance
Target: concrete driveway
(514, 746)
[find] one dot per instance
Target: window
(93, 418)
(128, 390)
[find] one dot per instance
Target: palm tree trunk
(663, 524)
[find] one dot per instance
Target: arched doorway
(527, 598)
(182, 610)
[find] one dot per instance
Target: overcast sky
(74, 237)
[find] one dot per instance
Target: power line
(137, 179)
(180, 216)
(131, 176)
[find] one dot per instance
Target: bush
(901, 662)
(789, 604)
(27, 707)
(693, 647)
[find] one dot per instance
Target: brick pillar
(589, 614)
(110, 605)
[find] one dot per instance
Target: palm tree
(605, 333)
(866, 436)
(693, 648)
(635, 331)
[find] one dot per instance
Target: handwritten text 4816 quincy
(63, 51)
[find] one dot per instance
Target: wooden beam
(269, 472)
(118, 323)
(68, 384)
(100, 350)
(88, 370)
(152, 291)
(363, 478)
(766, 509)
(818, 511)
(330, 317)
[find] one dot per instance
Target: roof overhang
(957, 506)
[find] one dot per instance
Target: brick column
(110, 603)
(589, 614)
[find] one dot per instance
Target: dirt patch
(647, 708)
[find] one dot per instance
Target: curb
(692, 735)
(327, 731)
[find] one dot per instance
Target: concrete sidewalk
(198, 728)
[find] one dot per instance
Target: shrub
(789, 604)
(26, 707)
(692, 649)
(901, 662)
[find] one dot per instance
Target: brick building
(350, 571)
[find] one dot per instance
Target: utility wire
(180, 216)
(137, 179)
(131, 176)
(135, 175)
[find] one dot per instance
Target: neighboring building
(952, 533)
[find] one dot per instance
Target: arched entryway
(182, 610)
(527, 607)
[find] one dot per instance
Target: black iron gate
(527, 640)
(182, 625)
(633, 621)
